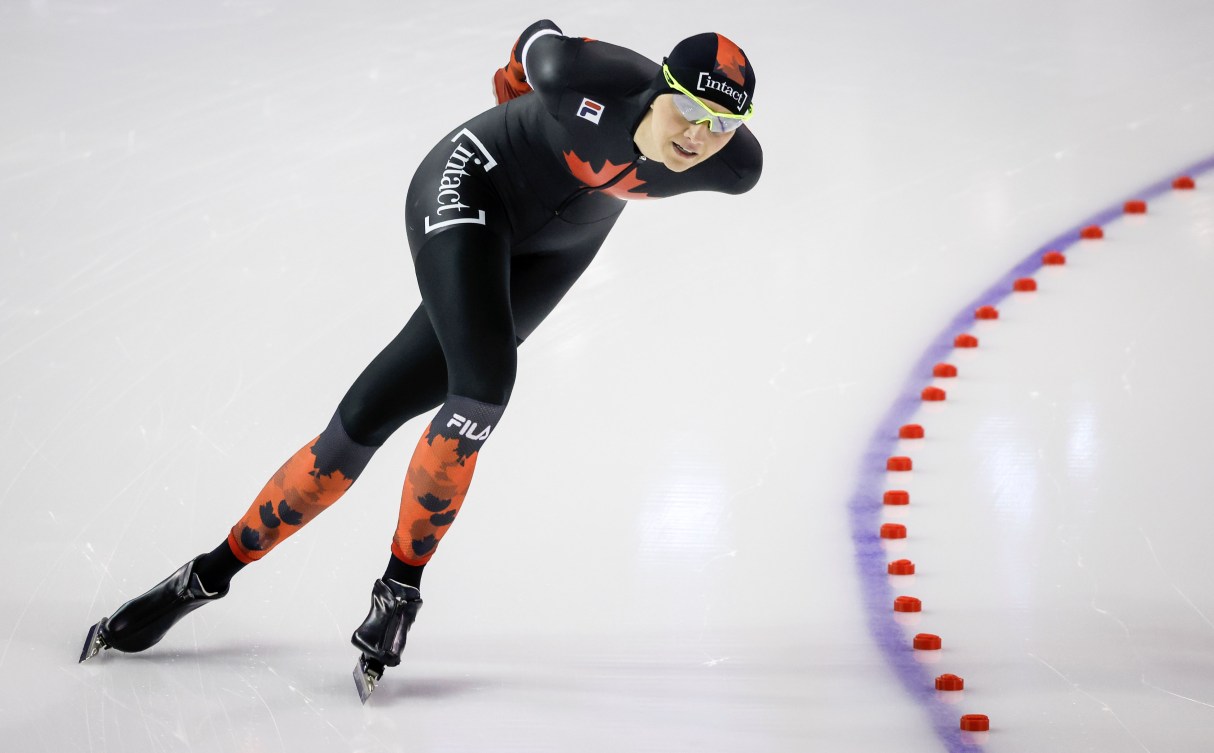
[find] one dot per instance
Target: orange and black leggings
(481, 296)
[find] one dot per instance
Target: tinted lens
(697, 113)
(726, 125)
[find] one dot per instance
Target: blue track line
(865, 504)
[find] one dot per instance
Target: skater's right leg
(305, 486)
(140, 623)
(406, 379)
(311, 480)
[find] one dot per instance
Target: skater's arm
(740, 163)
(547, 62)
(510, 80)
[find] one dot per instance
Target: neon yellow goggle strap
(711, 112)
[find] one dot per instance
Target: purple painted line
(865, 504)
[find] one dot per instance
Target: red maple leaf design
(582, 170)
(588, 176)
(623, 189)
(730, 61)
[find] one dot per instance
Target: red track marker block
(899, 464)
(1092, 233)
(933, 394)
(1053, 258)
(1136, 207)
(987, 312)
(944, 370)
(897, 497)
(975, 723)
(1025, 285)
(1184, 183)
(950, 682)
(893, 531)
(911, 431)
(927, 642)
(900, 567)
(907, 604)
(965, 341)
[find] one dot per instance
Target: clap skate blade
(381, 636)
(94, 642)
(367, 674)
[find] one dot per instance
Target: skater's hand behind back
(508, 82)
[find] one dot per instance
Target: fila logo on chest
(590, 110)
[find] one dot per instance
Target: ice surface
(202, 239)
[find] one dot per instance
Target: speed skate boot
(140, 623)
(381, 637)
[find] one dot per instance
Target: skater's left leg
(464, 277)
(463, 274)
(471, 295)
(475, 296)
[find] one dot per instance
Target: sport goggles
(693, 108)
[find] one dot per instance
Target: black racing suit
(503, 216)
(508, 210)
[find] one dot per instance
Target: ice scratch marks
(1190, 603)
(1106, 708)
(75, 547)
(311, 705)
(1195, 608)
(1175, 587)
(1106, 613)
(203, 437)
(269, 711)
(1177, 695)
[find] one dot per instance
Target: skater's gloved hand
(509, 81)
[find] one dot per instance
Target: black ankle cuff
(216, 568)
(402, 572)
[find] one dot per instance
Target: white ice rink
(671, 543)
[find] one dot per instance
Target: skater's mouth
(681, 150)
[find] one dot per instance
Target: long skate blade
(93, 643)
(365, 679)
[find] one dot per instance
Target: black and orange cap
(712, 67)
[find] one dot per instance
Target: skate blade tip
(93, 642)
(364, 680)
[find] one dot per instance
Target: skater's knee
(364, 423)
(495, 392)
(337, 450)
(467, 419)
(490, 380)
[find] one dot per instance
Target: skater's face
(666, 136)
